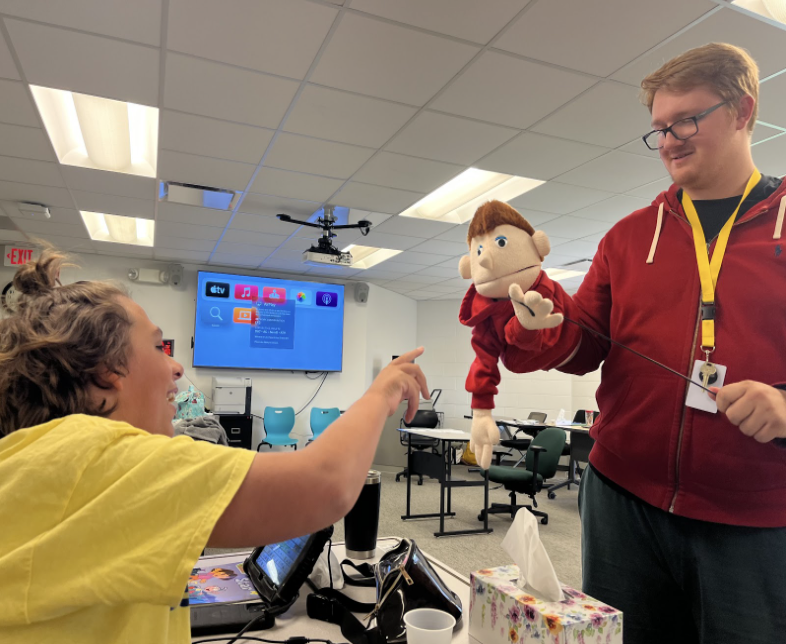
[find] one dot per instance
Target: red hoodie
(689, 462)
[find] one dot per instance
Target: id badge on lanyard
(706, 372)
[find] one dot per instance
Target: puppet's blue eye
(480, 248)
(501, 241)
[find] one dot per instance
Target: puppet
(504, 262)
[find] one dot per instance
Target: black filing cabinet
(238, 428)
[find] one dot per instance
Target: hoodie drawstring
(656, 236)
(779, 220)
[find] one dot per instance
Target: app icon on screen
(274, 294)
(326, 298)
(216, 289)
(246, 292)
(303, 297)
(244, 316)
(215, 315)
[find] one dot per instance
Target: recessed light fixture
(772, 9)
(118, 229)
(558, 274)
(368, 256)
(458, 199)
(100, 133)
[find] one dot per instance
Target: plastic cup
(429, 626)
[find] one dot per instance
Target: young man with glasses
(684, 505)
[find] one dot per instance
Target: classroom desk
(295, 622)
(439, 466)
(580, 447)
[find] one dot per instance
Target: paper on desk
(523, 544)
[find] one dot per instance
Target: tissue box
(500, 612)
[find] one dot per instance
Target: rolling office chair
(320, 419)
(520, 444)
(540, 464)
(278, 421)
(424, 419)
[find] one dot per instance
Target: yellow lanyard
(710, 269)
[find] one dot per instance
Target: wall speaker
(361, 292)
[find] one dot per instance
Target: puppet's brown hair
(496, 213)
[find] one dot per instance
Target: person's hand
(532, 310)
(759, 410)
(485, 434)
(401, 380)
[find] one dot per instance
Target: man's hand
(757, 409)
(485, 434)
(532, 311)
(401, 380)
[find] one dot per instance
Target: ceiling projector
(324, 252)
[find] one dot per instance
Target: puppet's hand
(532, 310)
(485, 434)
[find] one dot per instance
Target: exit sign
(15, 256)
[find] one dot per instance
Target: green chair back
(321, 418)
(553, 439)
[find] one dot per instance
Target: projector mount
(327, 223)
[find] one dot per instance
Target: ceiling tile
(535, 217)
(183, 214)
(110, 183)
(456, 234)
(406, 173)
(261, 224)
(40, 173)
(180, 243)
(567, 32)
(636, 146)
(772, 98)
(326, 158)
(609, 114)
(377, 198)
(578, 249)
(467, 19)
(233, 259)
(210, 137)
(15, 236)
(615, 172)
(52, 228)
(187, 231)
(422, 295)
(570, 227)
(559, 198)
(439, 271)
(16, 107)
(612, 210)
(554, 260)
(40, 194)
(537, 91)
(335, 272)
(224, 92)
(770, 156)
(271, 205)
(265, 240)
(114, 205)
(414, 227)
(204, 171)
(762, 41)
(449, 138)
(270, 263)
(762, 132)
(188, 256)
(381, 273)
(7, 64)
(651, 190)
(139, 20)
(422, 278)
(68, 244)
(441, 247)
(296, 185)
(414, 259)
(380, 59)
(276, 36)
(239, 248)
(349, 118)
(539, 157)
(393, 242)
(122, 250)
(79, 62)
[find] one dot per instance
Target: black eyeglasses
(680, 130)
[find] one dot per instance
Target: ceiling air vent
(194, 195)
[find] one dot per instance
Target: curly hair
(58, 343)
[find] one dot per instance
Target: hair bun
(40, 276)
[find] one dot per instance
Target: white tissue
(320, 575)
(536, 574)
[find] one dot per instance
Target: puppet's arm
(482, 383)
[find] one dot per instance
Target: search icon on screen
(215, 312)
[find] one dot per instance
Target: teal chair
(540, 464)
(320, 419)
(279, 421)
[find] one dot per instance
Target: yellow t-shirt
(101, 526)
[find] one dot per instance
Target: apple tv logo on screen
(216, 289)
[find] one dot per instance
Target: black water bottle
(362, 523)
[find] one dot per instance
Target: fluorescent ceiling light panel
(100, 133)
(368, 256)
(458, 199)
(118, 229)
(558, 274)
(772, 9)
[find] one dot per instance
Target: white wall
(448, 358)
(373, 331)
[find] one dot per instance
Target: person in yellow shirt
(103, 512)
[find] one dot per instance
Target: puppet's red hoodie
(643, 290)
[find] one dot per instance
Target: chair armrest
(537, 449)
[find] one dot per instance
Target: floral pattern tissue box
(500, 612)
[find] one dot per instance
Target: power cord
(315, 393)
